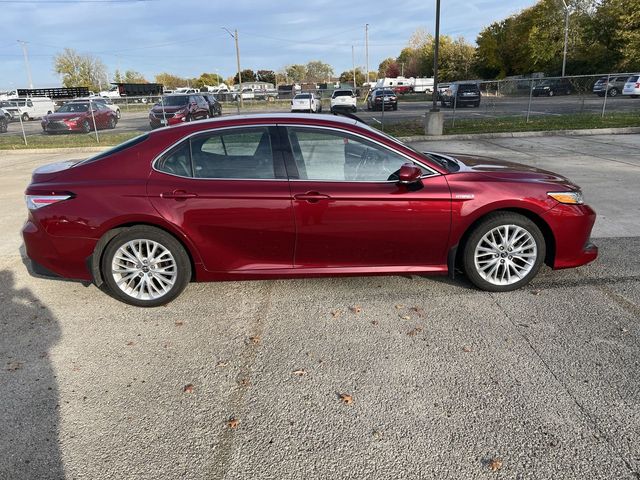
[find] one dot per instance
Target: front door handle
(311, 197)
(178, 195)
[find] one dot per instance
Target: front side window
(242, 153)
(342, 157)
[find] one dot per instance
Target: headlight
(569, 198)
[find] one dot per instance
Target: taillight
(638, 85)
(37, 201)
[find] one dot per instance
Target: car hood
(490, 167)
(63, 116)
(159, 109)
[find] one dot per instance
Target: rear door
(227, 191)
(351, 212)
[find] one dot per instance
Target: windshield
(174, 101)
(73, 107)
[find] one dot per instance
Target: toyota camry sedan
(288, 195)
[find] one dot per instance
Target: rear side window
(243, 153)
(632, 79)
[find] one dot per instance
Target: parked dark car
(461, 95)
(4, 121)
(290, 195)
(613, 88)
(79, 117)
(382, 96)
(176, 108)
(215, 108)
(552, 87)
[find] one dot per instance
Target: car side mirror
(409, 174)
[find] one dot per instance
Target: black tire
(476, 105)
(613, 92)
(490, 222)
(4, 126)
(112, 123)
(354, 109)
(551, 93)
(86, 126)
(395, 107)
(25, 117)
(164, 239)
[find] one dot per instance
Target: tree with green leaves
(170, 81)
(317, 71)
(80, 70)
(347, 77)
(207, 79)
(295, 73)
(268, 76)
(248, 75)
(131, 76)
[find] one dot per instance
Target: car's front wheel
(504, 252)
(145, 266)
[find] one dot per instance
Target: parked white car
(632, 87)
(306, 102)
(186, 90)
(30, 108)
(103, 101)
(344, 100)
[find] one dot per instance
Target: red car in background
(286, 195)
(175, 109)
(80, 117)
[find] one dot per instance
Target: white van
(30, 108)
(423, 85)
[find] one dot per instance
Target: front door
(351, 212)
(227, 191)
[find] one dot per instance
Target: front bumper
(571, 226)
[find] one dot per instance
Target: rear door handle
(178, 195)
(311, 197)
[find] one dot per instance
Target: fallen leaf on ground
(130, 344)
(222, 364)
(336, 313)
(356, 309)
(495, 464)
(255, 340)
(13, 366)
(399, 306)
(535, 292)
(405, 317)
(374, 322)
(413, 332)
(346, 398)
(244, 382)
(419, 311)
(467, 349)
(300, 372)
(233, 423)
(179, 323)
(188, 388)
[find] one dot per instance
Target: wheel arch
(95, 260)
(456, 252)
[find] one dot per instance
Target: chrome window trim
(267, 125)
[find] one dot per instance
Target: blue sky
(185, 37)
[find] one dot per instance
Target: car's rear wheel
(504, 252)
(86, 127)
(112, 123)
(613, 92)
(3, 127)
(25, 117)
(551, 93)
(145, 266)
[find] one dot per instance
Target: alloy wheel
(505, 254)
(144, 269)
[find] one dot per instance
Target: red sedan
(278, 196)
(80, 117)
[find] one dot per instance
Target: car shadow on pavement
(29, 403)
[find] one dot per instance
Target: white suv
(632, 87)
(306, 102)
(344, 100)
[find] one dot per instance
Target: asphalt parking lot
(137, 119)
(242, 380)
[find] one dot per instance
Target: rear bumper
(571, 226)
(57, 256)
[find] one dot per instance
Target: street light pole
(235, 37)
(566, 36)
(366, 48)
(26, 61)
(436, 52)
(353, 63)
